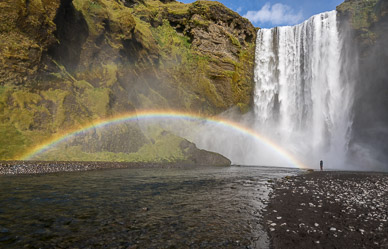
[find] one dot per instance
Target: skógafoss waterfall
(302, 99)
(303, 96)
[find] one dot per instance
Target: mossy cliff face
(367, 18)
(26, 30)
(66, 63)
(195, 57)
(206, 54)
(369, 26)
(39, 96)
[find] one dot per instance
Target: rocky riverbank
(40, 167)
(329, 210)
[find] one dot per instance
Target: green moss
(243, 107)
(57, 97)
(200, 23)
(172, 45)
(362, 12)
(83, 85)
(201, 6)
(24, 98)
(97, 100)
(234, 40)
(21, 107)
(144, 34)
(165, 148)
(177, 8)
(12, 142)
(110, 74)
(92, 11)
(2, 90)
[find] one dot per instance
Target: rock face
(65, 63)
(369, 25)
(26, 30)
(203, 53)
(202, 157)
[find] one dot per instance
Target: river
(206, 207)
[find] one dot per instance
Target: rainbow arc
(160, 114)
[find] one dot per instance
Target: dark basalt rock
(202, 157)
(368, 23)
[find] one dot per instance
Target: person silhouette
(321, 164)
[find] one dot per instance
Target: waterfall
(302, 99)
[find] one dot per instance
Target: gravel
(329, 210)
(41, 167)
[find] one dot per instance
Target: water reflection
(137, 208)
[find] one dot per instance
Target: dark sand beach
(329, 210)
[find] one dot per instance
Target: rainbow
(155, 114)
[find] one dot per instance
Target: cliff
(66, 63)
(368, 22)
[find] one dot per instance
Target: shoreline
(45, 167)
(329, 209)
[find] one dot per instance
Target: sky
(272, 13)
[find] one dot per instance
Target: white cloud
(277, 14)
(239, 9)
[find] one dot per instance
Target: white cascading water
(301, 100)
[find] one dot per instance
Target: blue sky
(271, 13)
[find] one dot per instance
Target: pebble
(350, 200)
(40, 167)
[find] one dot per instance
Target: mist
(334, 111)
(328, 101)
(315, 105)
(240, 147)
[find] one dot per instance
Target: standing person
(321, 164)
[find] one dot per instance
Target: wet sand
(329, 210)
(41, 167)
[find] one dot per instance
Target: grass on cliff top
(153, 7)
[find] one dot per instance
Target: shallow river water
(207, 207)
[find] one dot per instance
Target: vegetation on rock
(363, 16)
(67, 63)
(162, 147)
